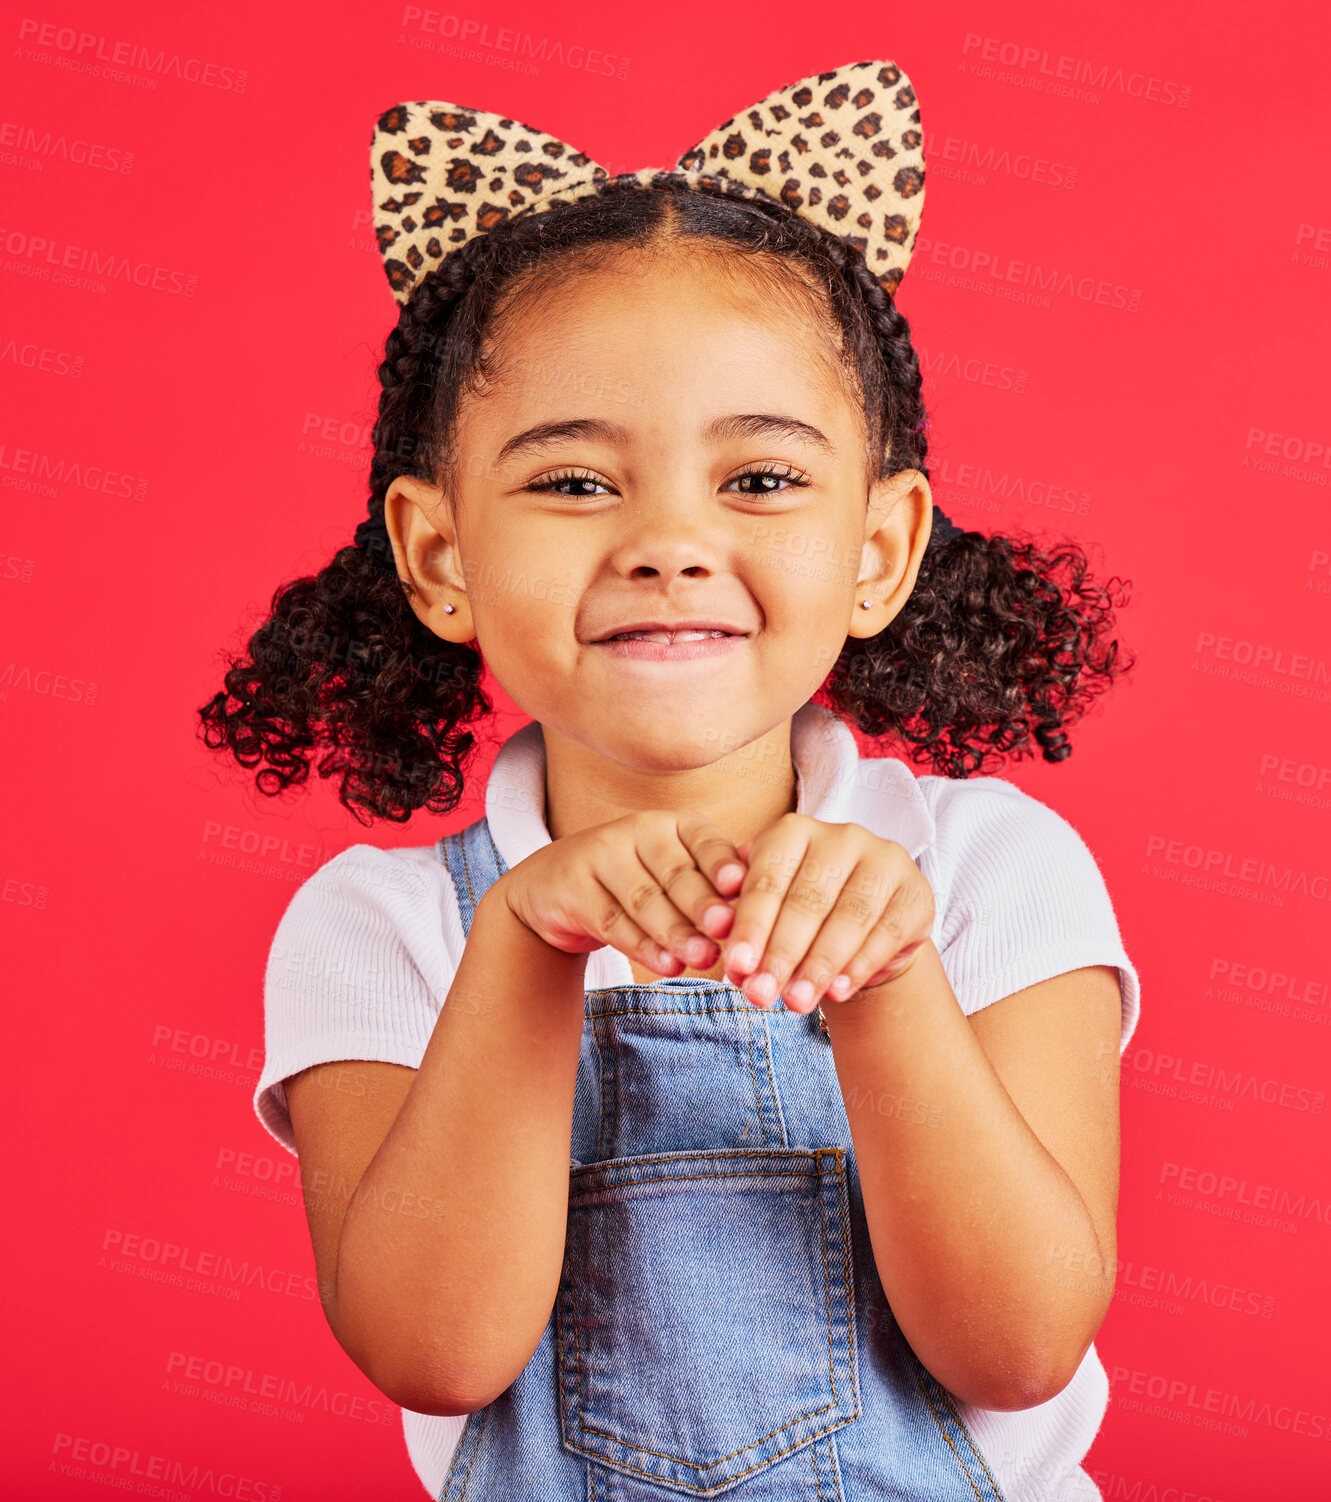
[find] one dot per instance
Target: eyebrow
(593, 429)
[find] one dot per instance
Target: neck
(741, 793)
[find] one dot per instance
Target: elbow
(436, 1393)
(439, 1366)
(433, 1402)
(435, 1379)
(1013, 1392)
(1022, 1384)
(414, 1376)
(1036, 1369)
(1018, 1363)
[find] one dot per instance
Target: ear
(425, 551)
(896, 532)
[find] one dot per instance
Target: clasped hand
(808, 909)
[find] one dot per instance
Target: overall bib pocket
(705, 1321)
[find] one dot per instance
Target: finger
(666, 894)
(714, 855)
(904, 958)
(847, 984)
(810, 899)
(721, 871)
(889, 948)
(618, 929)
(863, 895)
(775, 857)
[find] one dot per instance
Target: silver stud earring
(448, 609)
(866, 604)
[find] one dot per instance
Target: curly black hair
(1000, 641)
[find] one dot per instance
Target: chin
(673, 741)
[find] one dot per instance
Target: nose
(666, 542)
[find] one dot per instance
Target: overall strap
(472, 859)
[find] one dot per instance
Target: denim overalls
(720, 1329)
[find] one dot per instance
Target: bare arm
(437, 1203)
(988, 1153)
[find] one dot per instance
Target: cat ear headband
(843, 150)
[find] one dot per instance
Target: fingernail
(840, 986)
(762, 986)
(730, 872)
(714, 915)
(801, 992)
(742, 957)
(696, 949)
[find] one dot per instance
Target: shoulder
(998, 845)
(1020, 894)
(359, 968)
(366, 874)
(948, 793)
(978, 815)
(947, 822)
(367, 900)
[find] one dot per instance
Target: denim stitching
(817, 1479)
(738, 1476)
(471, 894)
(443, 851)
(827, 1273)
(601, 1066)
(753, 1075)
(721, 1152)
(966, 1470)
(612, 1054)
(664, 991)
(609, 1119)
(776, 1094)
(475, 1449)
(661, 1011)
(961, 1424)
(499, 859)
(678, 1460)
(679, 1178)
(843, 1192)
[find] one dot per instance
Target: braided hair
(999, 643)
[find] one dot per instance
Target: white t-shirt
(364, 956)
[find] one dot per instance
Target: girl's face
(661, 445)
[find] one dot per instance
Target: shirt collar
(836, 784)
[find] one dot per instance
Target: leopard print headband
(843, 149)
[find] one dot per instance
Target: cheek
(804, 570)
(524, 608)
(805, 580)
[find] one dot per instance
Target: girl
(723, 1112)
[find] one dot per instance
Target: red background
(1186, 433)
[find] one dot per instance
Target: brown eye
(776, 473)
(551, 484)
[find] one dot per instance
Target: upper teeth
(668, 636)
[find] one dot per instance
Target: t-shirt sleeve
(358, 969)
(1023, 897)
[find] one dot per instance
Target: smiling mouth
(669, 637)
(677, 647)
